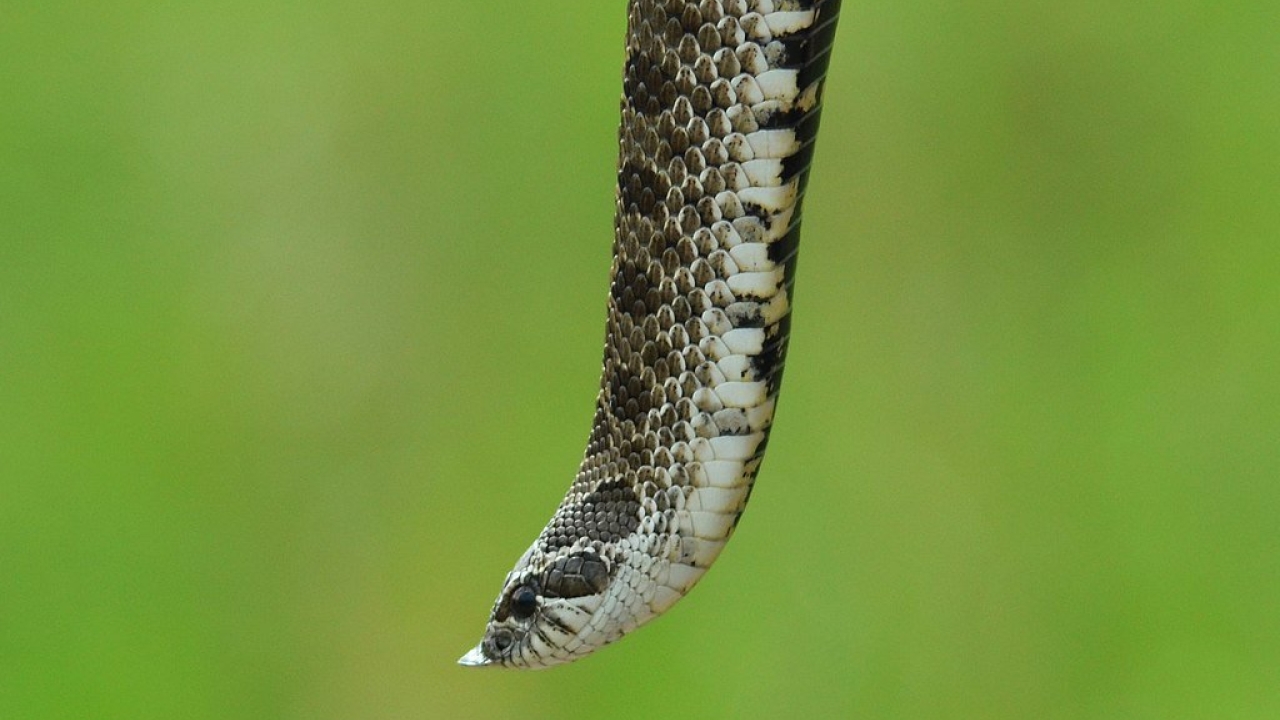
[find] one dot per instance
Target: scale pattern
(720, 108)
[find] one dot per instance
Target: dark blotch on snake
(608, 514)
(576, 575)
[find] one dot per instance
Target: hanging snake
(720, 108)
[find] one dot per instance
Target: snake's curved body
(719, 116)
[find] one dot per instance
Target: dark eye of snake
(524, 602)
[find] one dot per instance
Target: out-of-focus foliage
(300, 317)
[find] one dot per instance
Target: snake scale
(720, 108)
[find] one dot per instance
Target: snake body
(720, 108)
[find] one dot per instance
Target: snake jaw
(560, 631)
(584, 600)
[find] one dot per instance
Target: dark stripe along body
(720, 108)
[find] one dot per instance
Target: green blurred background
(300, 321)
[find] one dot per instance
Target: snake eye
(523, 602)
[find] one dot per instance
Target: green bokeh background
(300, 321)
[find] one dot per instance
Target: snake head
(549, 612)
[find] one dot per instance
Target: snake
(719, 117)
